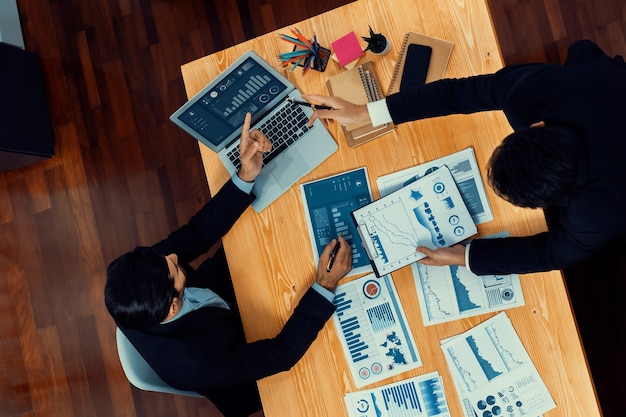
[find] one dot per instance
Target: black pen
(333, 253)
(313, 106)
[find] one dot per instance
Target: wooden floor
(123, 175)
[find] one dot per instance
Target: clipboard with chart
(428, 212)
(359, 85)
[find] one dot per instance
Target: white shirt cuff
(467, 250)
(244, 186)
(379, 113)
(329, 295)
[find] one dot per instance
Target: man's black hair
(536, 166)
(139, 289)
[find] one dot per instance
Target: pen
(313, 106)
(333, 253)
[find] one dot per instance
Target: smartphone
(415, 66)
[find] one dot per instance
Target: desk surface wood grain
(270, 254)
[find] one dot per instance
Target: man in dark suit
(566, 154)
(184, 322)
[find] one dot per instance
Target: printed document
(452, 292)
(493, 373)
(464, 169)
(428, 212)
(373, 330)
(421, 396)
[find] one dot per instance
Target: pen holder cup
(321, 62)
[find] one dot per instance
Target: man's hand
(454, 255)
(343, 111)
(252, 146)
(340, 267)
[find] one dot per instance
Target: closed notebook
(359, 85)
(437, 63)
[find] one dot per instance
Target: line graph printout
(373, 330)
(428, 212)
(420, 396)
(448, 293)
(493, 373)
(465, 172)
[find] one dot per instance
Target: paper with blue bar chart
(420, 396)
(427, 212)
(328, 203)
(465, 172)
(373, 330)
(493, 373)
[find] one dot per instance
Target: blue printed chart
(373, 330)
(447, 293)
(464, 170)
(421, 396)
(328, 203)
(428, 212)
(493, 373)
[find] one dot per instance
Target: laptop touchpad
(290, 167)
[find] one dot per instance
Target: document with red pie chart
(373, 330)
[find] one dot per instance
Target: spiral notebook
(437, 63)
(359, 85)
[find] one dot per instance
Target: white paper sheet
(373, 330)
(420, 396)
(448, 293)
(428, 212)
(493, 373)
(465, 172)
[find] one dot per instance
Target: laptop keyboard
(283, 129)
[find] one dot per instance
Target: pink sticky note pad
(347, 48)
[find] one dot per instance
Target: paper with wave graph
(493, 373)
(373, 330)
(447, 293)
(427, 212)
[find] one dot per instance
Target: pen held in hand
(333, 254)
(313, 106)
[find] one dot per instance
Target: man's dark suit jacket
(587, 93)
(206, 350)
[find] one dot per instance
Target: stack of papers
(428, 212)
(464, 169)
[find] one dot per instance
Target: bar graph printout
(465, 172)
(428, 212)
(493, 373)
(420, 396)
(328, 203)
(373, 330)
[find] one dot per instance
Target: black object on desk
(415, 66)
(25, 130)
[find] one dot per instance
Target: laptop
(215, 117)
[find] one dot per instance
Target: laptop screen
(218, 111)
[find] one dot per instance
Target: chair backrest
(139, 372)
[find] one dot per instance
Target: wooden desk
(270, 256)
